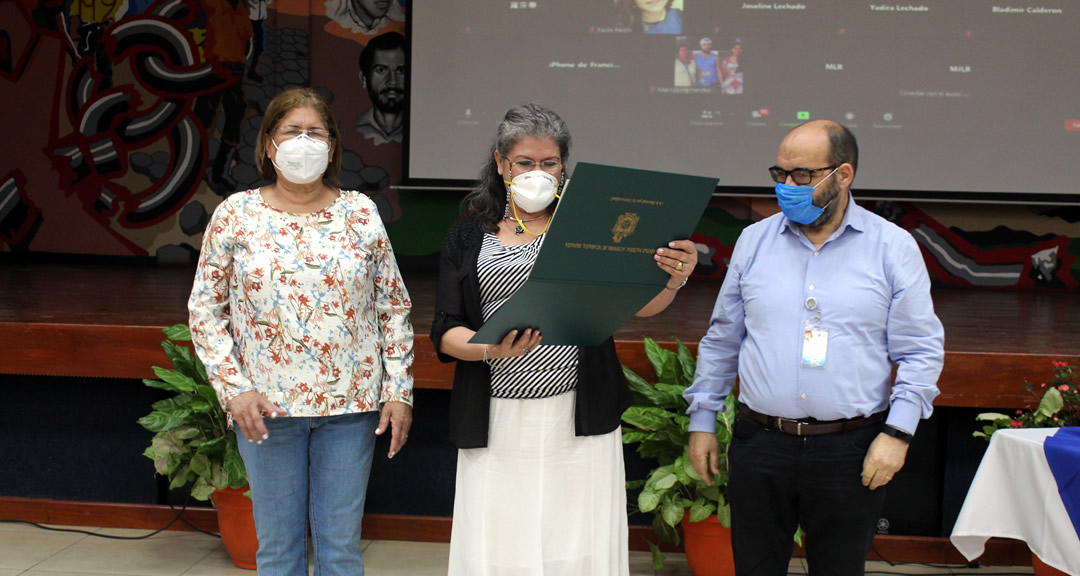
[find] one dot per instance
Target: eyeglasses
(553, 167)
(801, 176)
(290, 132)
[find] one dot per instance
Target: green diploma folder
(596, 267)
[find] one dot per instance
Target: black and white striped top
(546, 371)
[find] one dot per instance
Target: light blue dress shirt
(870, 285)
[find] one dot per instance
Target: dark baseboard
(999, 551)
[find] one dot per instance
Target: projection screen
(949, 99)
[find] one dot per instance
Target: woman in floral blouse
(300, 314)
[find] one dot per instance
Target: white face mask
(302, 160)
(533, 191)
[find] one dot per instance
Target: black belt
(810, 427)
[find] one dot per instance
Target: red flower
(1064, 387)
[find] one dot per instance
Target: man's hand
(883, 460)
(247, 411)
(397, 415)
(704, 455)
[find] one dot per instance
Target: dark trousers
(778, 482)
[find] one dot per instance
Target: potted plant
(193, 444)
(1056, 403)
(673, 492)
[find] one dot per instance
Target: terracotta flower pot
(1044, 569)
(236, 523)
(708, 547)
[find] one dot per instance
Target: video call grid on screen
(961, 98)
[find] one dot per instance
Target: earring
(506, 208)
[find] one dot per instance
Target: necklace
(520, 228)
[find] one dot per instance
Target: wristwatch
(896, 433)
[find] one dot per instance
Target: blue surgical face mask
(797, 202)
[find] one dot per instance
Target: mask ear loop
(276, 147)
(829, 203)
(526, 228)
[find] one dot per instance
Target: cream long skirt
(539, 501)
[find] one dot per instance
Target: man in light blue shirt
(819, 303)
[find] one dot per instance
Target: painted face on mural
(385, 81)
(373, 9)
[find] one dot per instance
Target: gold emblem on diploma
(624, 226)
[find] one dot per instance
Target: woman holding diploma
(540, 478)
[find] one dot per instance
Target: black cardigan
(602, 393)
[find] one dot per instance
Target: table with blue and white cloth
(1027, 488)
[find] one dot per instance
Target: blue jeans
(310, 470)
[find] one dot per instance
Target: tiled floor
(30, 551)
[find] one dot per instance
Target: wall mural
(131, 119)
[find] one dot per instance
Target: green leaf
(201, 406)
(666, 533)
(161, 385)
(663, 478)
(214, 448)
(656, 355)
(170, 404)
(165, 454)
(701, 509)
(180, 356)
(671, 396)
(631, 436)
(647, 418)
(1051, 403)
(688, 469)
(680, 470)
(184, 433)
(217, 476)
(202, 489)
(207, 392)
(723, 513)
(632, 484)
(657, 556)
(235, 474)
(648, 500)
(687, 364)
(711, 493)
(991, 416)
(200, 371)
(639, 386)
(723, 436)
(200, 465)
(672, 511)
(182, 382)
(179, 332)
(669, 372)
(159, 421)
(179, 477)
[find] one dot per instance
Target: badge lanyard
(815, 338)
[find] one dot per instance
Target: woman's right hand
(247, 411)
(515, 345)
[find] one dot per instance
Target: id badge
(815, 345)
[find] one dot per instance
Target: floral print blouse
(309, 309)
